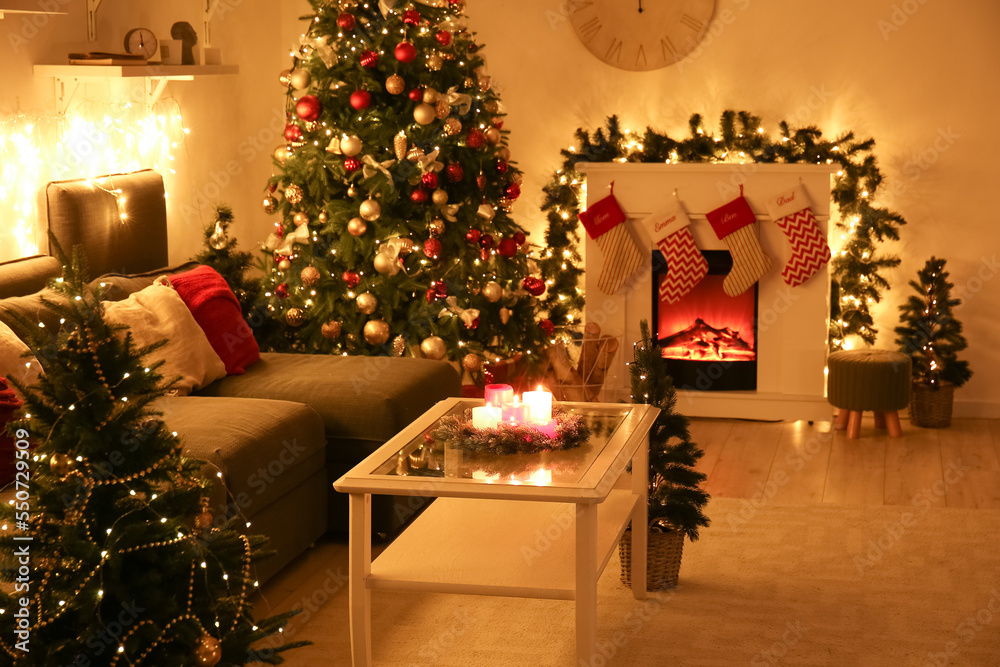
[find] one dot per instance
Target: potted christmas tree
(676, 499)
(932, 337)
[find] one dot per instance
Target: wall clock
(140, 42)
(640, 35)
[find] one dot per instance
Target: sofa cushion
(263, 448)
(157, 313)
(31, 308)
(27, 275)
(118, 286)
(13, 363)
(362, 400)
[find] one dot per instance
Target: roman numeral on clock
(578, 5)
(669, 50)
(640, 57)
(615, 50)
(693, 23)
(590, 29)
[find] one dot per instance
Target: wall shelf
(28, 11)
(68, 77)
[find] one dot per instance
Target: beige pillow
(158, 313)
(12, 364)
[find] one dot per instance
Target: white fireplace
(791, 322)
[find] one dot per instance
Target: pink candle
(548, 427)
(498, 394)
(515, 412)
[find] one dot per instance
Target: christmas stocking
(734, 224)
(605, 223)
(792, 213)
(686, 266)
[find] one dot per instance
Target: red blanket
(9, 404)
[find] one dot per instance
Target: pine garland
(458, 431)
(858, 274)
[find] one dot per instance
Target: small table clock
(141, 42)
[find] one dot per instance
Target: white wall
(926, 92)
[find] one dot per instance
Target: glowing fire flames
(702, 342)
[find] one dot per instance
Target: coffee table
(525, 525)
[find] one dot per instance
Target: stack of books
(105, 58)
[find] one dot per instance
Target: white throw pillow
(158, 313)
(12, 364)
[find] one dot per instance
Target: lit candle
(499, 394)
(540, 403)
(546, 427)
(515, 412)
(486, 416)
(541, 476)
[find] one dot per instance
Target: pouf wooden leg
(841, 422)
(892, 423)
(854, 425)
(880, 419)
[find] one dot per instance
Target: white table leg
(586, 582)
(640, 519)
(360, 568)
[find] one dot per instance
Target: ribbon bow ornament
(429, 162)
(449, 212)
(460, 100)
(300, 235)
(327, 53)
(468, 315)
(371, 166)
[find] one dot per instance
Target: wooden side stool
(876, 380)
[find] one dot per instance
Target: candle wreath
(506, 438)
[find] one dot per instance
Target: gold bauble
(281, 154)
(423, 114)
(357, 227)
(439, 197)
(62, 464)
(204, 521)
(207, 651)
(300, 79)
(492, 291)
(330, 330)
(367, 303)
(493, 136)
(484, 83)
(442, 109)
(435, 62)
(503, 153)
(270, 204)
(324, 216)
(294, 194)
(433, 347)
(285, 78)
(452, 126)
(295, 317)
(505, 315)
(491, 106)
(436, 226)
(385, 264)
(351, 145)
(370, 210)
(284, 265)
(300, 219)
(310, 276)
(352, 191)
(376, 332)
(395, 84)
(472, 363)
(431, 96)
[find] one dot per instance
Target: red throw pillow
(218, 313)
(9, 405)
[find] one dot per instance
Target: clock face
(640, 35)
(141, 42)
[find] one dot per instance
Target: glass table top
(424, 457)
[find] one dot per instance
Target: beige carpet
(802, 585)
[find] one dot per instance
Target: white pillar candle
(515, 412)
(486, 416)
(540, 403)
(498, 394)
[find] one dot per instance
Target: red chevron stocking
(686, 266)
(792, 213)
(605, 223)
(734, 224)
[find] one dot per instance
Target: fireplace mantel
(792, 321)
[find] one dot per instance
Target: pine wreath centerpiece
(507, 438)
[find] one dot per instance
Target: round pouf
(876, 380)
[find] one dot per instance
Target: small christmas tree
(929, 332)
(111, 548)
(394, 192)
(676, 499)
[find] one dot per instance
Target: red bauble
(281, 291)
(351, 278)
(547, 327)
(419, 196)
(520, 238)
(443, 37)
(412, 17)
(360, 99)
(486, 242)
(369, 59)
(405, 52)
(438, 290)
(293, 132)
(433, 248)
(472, 236)
(346, 21)
(416, 95)
(308, 108)
(484, 254)
(513, 191)
(352, 164)
(533, 286)
(502, 166)
(507, 248)
(430, 180)
(475, 139)
(455, 172)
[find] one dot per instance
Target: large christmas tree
(112, 555)
(394, 193)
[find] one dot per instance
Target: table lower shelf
(497, 547)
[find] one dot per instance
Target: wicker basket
(663, 559)
(930, 407)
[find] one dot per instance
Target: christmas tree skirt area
(804, 585)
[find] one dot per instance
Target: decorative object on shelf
(183, 31)
(676, 499)
(931, 336)
(141, 42)
(566, 431)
